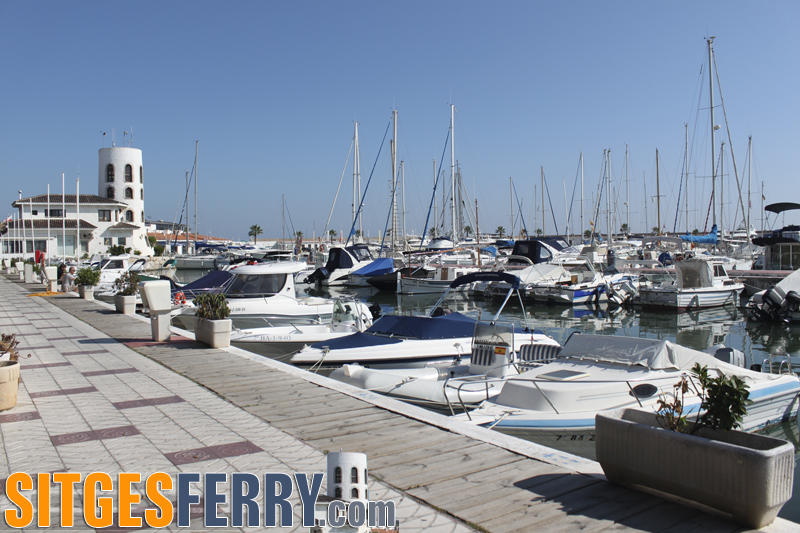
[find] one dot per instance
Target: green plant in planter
(88, 277)
(723, 403)
(127, 284)
(211, 306)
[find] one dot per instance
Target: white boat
(699, 284)
(349, 316)
(442, 278)
(341, 263)
(576, 282)
(261, 295)
(496, 353)
(555, 404)
(403, 341)
(780, 303)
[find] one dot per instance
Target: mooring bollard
(156, 298)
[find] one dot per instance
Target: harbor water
(698, 330)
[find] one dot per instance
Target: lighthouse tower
(121, 177)
(347, 476)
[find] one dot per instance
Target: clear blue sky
(271, 91)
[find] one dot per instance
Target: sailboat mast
(749, 185)
(644, 181)
(627, 191)
(356, 177)
(511, 197)
(434, 200)
(403, 193)
(721, 191)
(608, 197)
(394, 180)
(658, 196)
(195, 195)
(186, 203)
(543, 221)
(710, 40)
(283, 224)
(453, 170)
(686, 174)
(581, 229)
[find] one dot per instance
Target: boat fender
(180, 298)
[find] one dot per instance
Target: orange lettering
(127, 497)
(67, 481)
(43, 500)
(24, 516)
(91, 501)
(155, 496)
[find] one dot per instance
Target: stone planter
(87, 293)
(125, 304)
(745, 475)
(215, 333)
(9, 382)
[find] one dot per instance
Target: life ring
(180, 298)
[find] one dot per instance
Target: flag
(9, 219)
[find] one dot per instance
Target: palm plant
(255, 231)
(500, 231)
(467, 230)
(332, 233)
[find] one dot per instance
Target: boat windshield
(108, 264)
(498, 333)
(247, 285)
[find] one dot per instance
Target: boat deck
(99, 395)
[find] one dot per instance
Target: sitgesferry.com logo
(346, 475)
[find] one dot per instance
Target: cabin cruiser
(496, 353)
(379, 267)
(779, 303)
(555, 404)
(576, 282)
(443, 277)
(403, 341)
(341, 263)
(781, 247)
(349, 316)
(699, 284)
(261, 295)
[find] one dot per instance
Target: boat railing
(783, 360)
(638, 395)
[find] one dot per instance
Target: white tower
(347, 476)
(121, 177)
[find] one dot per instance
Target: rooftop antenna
(130, 143)
(113, 137)
(124, 133)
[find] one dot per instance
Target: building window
(122, 240)
(141, 192)
(110, 192)
(129, 193)
(354, 493)
(365, 475)
(338, 492)
(56, 213)
(128, 173)
(337, 474)
(354, 475)
(34, 212)
(141, 175)
(142, 216)
(110, 172)
(104, 215)
(108, 241)
(129, 216)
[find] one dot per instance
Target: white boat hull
(667, 298)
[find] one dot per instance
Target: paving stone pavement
(88, 403)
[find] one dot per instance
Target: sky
(270, 91)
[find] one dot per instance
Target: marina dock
(97, 395)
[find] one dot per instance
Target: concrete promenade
(99, 396)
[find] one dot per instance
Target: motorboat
(779, 303)
(496, 353)
(341, 263)
(576, 282)
(555, 404)
(379, 267)
(260, 295)
(443, 277)
(698, 284)
(402, 341)
(782, 246)
(349, 316)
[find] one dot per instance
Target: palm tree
(255, 231)
(467, 230)
(358, 234)
(624, 229)
(332, 233)
(695, 231)
(587, 234)
(432, 232)
(500, 231)
(538, 232)
(655, 230)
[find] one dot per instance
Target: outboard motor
(665, 259)
(730, 355)
(318, 275)
(375, 309)
(611, 262)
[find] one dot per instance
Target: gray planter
(125, 304)
(87, 293)
(215, 333)
(745, 475)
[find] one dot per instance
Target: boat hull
(680, 300)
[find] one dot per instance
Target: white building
(114, 216)
(347, 482)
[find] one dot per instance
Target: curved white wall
(347, 461)
(119, 157)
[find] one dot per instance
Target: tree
(655, 230)
(332, 234)
(298, 234)
(695, 231)
(358, 234)
(467, 230)
(538, 232)
(255, 231)
(587, 234)
(624, 229)
(432, 232)
(500, 231)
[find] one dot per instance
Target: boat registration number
(589, 438)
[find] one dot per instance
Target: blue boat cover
(448, 326)
(491, 250)
(384, 265)
(356, 340)
(711, 238)
(213, 280)
(511, 279)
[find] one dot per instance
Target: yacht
(698, 284)
(341, 263)
(260, 295)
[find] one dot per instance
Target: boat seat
(531, 355)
